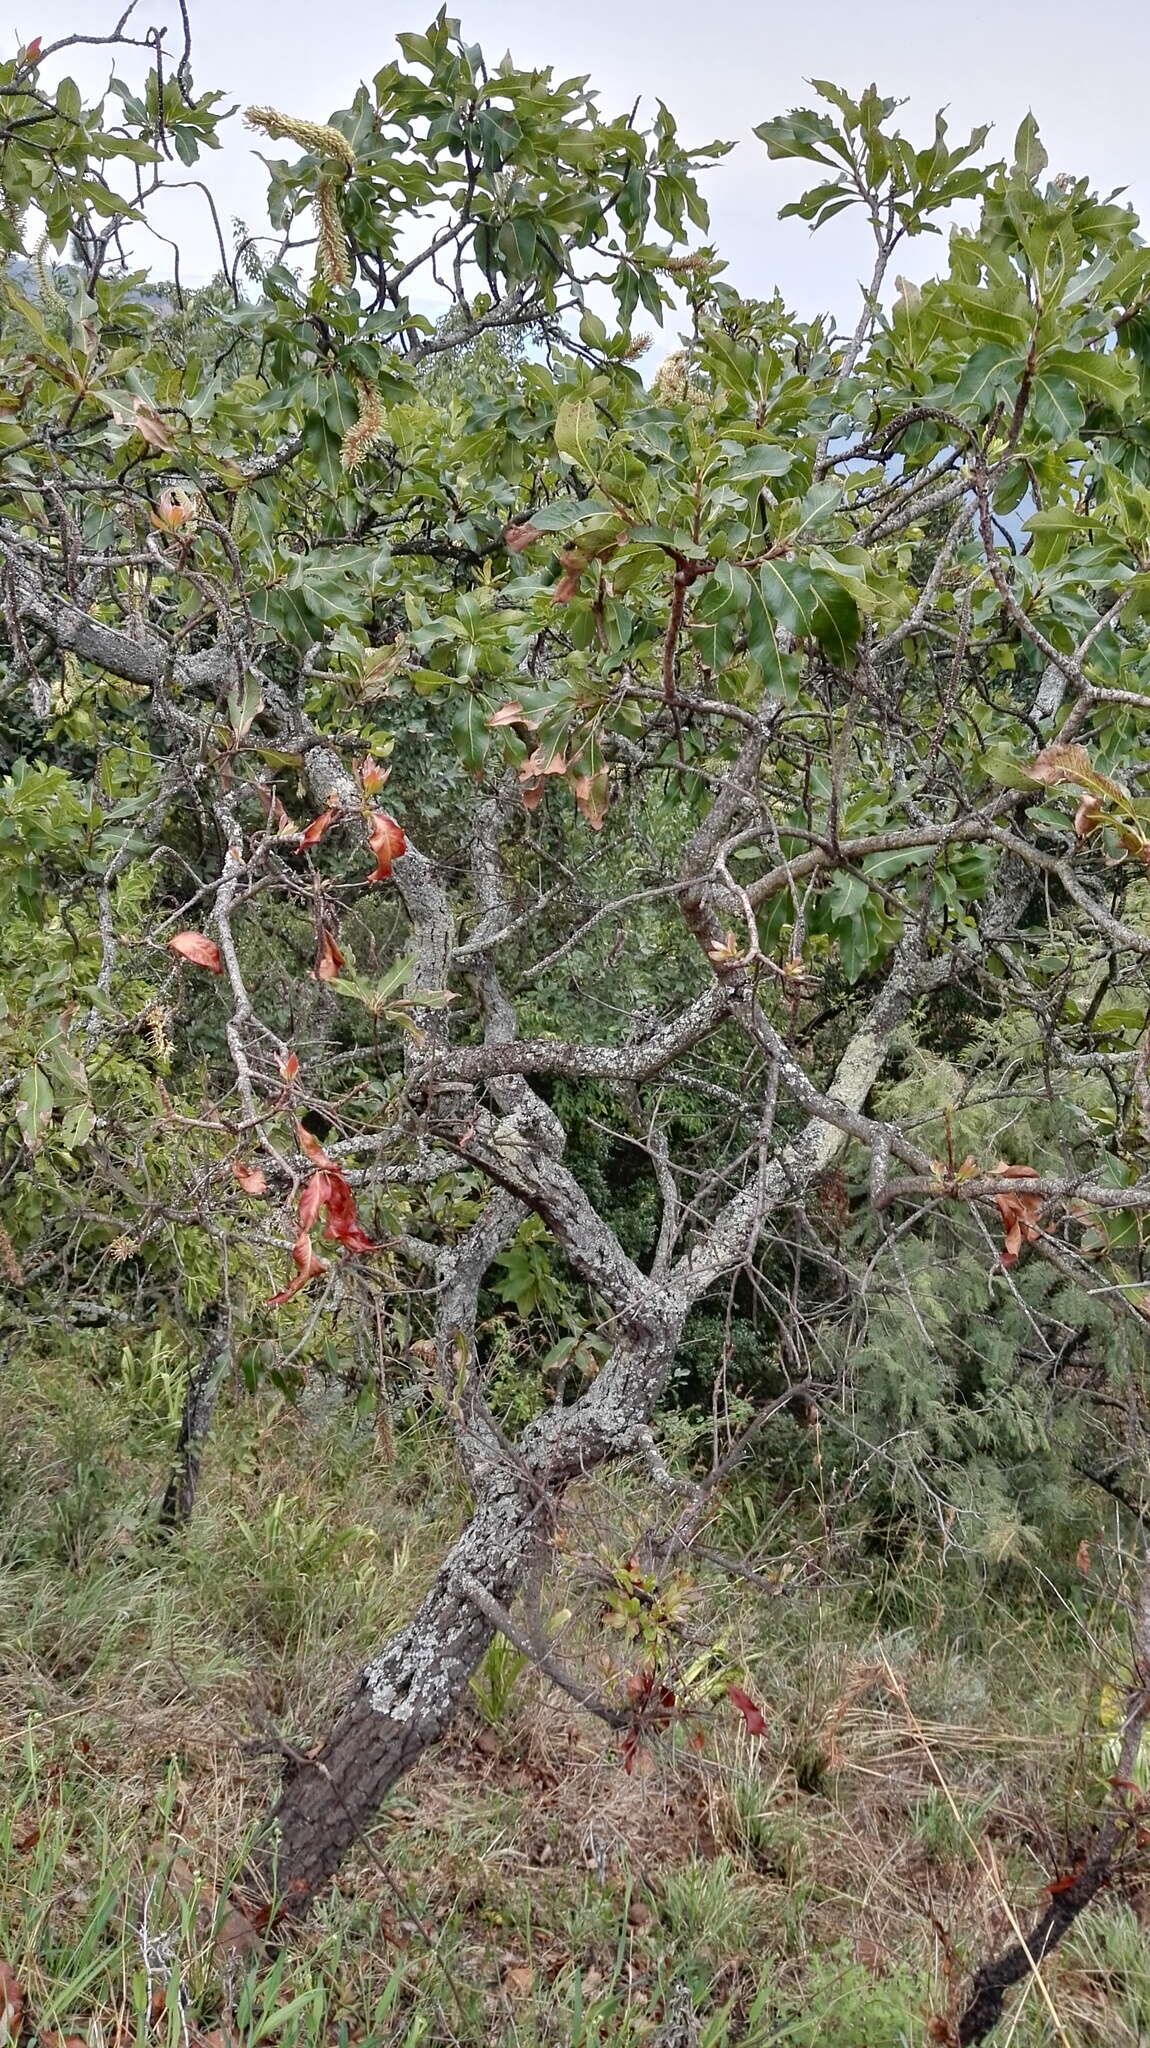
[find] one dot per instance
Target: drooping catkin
(332, 261)
(369, 427)
(312, 135)
(51, 299)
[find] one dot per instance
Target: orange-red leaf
(342, 1222)
(752, 1715)
(387, 841)
(312, 1199)
(198, 948)
(328, 959)
(313, 833)
(289, 1066)
(312, 1147)
(327, 1193)
(252, 1179)
(372, 776)
(307, 1264)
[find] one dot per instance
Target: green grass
(830, 1884)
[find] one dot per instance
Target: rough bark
(200, 1396)
(406, 1698)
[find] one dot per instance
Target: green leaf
(1030, 158)
(777, 671)
(992, 375)
(577, 429)
(1055, 407)
(1111, 378)
(35, 1103)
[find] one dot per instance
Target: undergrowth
(928, 1767)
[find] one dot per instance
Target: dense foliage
(545, 891)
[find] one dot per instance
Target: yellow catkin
(670, 380)
(332, 260)
(369, 427)
(311, 135)
(686, 266)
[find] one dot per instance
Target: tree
(761, 749)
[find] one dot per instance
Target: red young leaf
(752, 1715)
(372, 776)
(315, 1194)
(327, 1193)
(312, 1147)
(252, 1179)
(196, 947)
(342, 1222)
(32, 50)
(328, 959)
(307, 1264)
(313, 833)
(289, 1066)
(386, 840)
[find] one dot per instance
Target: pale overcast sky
(720, 65)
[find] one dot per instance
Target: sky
(720, 66)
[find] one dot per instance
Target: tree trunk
(405, 1699)
(200, 1397)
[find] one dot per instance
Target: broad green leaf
(35, 1103)
(577, 429)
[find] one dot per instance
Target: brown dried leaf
(11, 2005)
(328, 959)
(252, 1179)
(1059, 764)
(199, 949)
(154, 429)
(517, 538)
(1019, 1213)
(591, 793)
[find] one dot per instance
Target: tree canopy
(570, 894)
